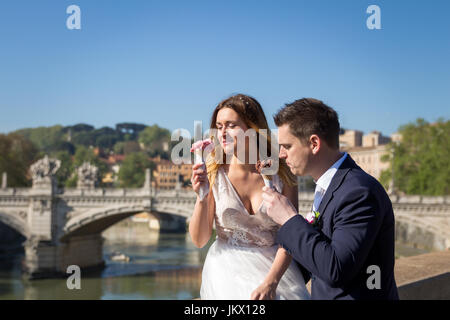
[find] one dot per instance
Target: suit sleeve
(336, 260)
(305, 273)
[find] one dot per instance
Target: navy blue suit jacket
(355, 230)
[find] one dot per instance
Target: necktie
(318, 194)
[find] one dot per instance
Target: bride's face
(229, 124)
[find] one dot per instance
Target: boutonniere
(312, 218)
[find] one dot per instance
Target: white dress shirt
(324, 181)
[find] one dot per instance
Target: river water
(168, 267)
(162, 266)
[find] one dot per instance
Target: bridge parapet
(105, 192)
(15, 192)
(169, 193)
(306, 196)
(418, 199)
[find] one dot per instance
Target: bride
(243, 262)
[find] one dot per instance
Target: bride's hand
(198, 176)
(265, 291)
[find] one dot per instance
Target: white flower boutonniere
(312, 218)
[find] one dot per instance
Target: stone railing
(418, 199)
(424, 277)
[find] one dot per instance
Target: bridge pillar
(84, 251)
(42, 206)
(45, 259)
(172, 224)
(165, 222)
(41, 259)
(40, 216)
(41, 248)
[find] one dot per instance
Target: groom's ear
(314, 143)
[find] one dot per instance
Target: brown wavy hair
(251, 112)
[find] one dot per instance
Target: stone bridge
(63, 227)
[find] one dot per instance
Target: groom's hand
(279, 208)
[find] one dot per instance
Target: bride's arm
(281, 262)
(267, 290)
(200, 225)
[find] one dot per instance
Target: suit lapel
(336, 183)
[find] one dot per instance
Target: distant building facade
(171, 176)
(374, 138)
(369, 159)
(350, 139)
(367, 150)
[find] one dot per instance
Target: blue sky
(170, 62)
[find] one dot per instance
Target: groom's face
(297, 155)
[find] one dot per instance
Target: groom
(348, 251)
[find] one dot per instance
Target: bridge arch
(421, 233)
(15, 222)
(184, 211)
(97, 220)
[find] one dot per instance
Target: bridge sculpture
(63, 227)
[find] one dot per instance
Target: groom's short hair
(309, 116)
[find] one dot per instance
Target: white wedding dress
(244, 250)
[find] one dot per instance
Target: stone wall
(424, 277)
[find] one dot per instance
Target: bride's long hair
(251, 112)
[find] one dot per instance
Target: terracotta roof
(112, 159)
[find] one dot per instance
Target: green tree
(106, 141)
(45, 139)
(62, 146)
(155, 140)
(119, 147)
(132, 170)
(86, 139)
(421, 161)
(66, 169)
(87, 136)
(80, 127)
(131, 147)
(17, 154)
(71, 182)
(130, 130)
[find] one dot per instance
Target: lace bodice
(233, 222)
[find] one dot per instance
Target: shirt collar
(325, 179)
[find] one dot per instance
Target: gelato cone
(260, 165)
(199, 148)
